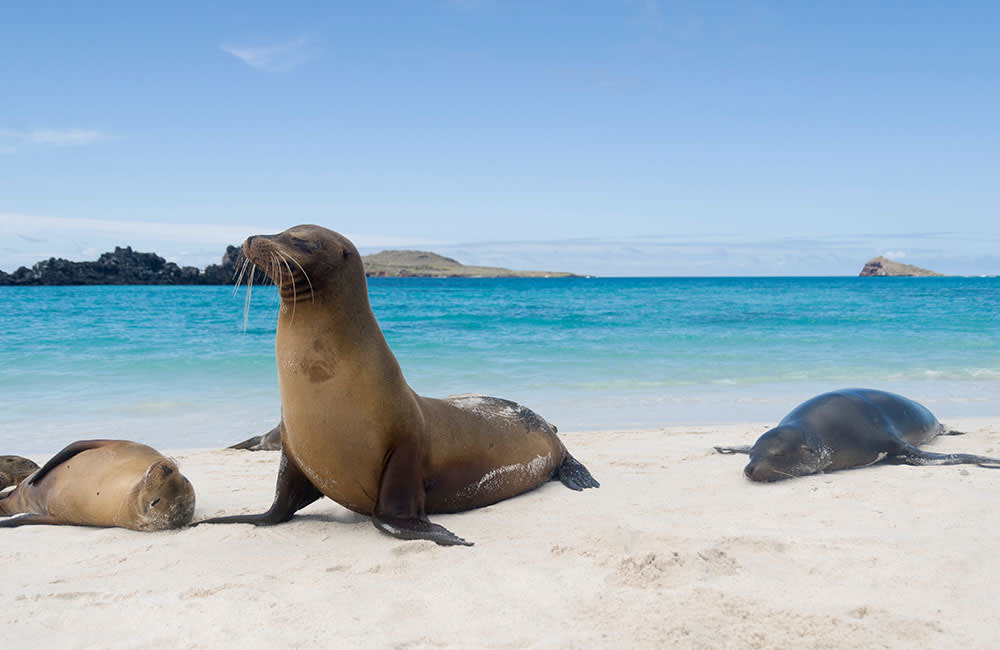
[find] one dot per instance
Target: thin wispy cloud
(10, 140)
(65, 138)
(276, 57)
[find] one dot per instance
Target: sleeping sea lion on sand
(849, 428)
(103, 483)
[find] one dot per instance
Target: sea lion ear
(158, 470)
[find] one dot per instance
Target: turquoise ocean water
(176, 368)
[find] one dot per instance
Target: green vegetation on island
(422, 264)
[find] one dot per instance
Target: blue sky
(621, 138)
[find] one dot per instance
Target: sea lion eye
(155, 501)
(306, 245)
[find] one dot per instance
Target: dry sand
(676, 549)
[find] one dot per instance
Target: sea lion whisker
(312, 291)
(239, 278)
(246, 302)
(291, 278)
(277, 259)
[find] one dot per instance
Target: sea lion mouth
(765, 473)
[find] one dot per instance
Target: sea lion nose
(748, 471)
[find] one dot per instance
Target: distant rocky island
(412, 264)
(884, 267)
(125, 266)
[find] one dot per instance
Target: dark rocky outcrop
(123, 266)
(884, 267)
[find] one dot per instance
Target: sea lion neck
(338, 326)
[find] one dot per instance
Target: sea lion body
(848, 428)
(352, 428)
(104, 483)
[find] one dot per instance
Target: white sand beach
(675, 550)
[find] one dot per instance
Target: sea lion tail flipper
(952, 432)
(741, 449)
(574, 475)
(65, 454)
(30, 519)
(292, 493)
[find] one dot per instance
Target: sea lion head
(305, 260)
(164, 498)
(783, 452)
(14, 469)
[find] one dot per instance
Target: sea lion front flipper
(742, 449)
(399, 510)
(292, 492)
(65, 454)
(915, 456)
(30, 519)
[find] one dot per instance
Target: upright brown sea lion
(353, 430)
(14, 469)
(848, 428)
(103, 483)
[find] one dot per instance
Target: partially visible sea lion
(354, 431)
(103, 483)
(14, 469)
(847, 428)
(270, 441)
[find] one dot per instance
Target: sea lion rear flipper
(30, 520)
(269, 441)
(914, 456)
(574, 475)
(292, 493)
(249, 443)
(65, 454)
(741, 449)
(400, 507)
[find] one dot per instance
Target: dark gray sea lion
(270, 441)
(103, 483)
(354, 431)
(849, 428)
(14, 469)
